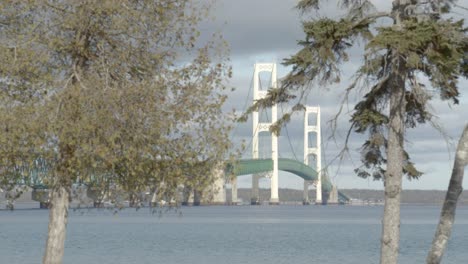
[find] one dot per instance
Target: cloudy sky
(267, 31)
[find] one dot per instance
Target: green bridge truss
(238, 168)
(252, 166)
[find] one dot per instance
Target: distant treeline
(408, 196)
(293, 195)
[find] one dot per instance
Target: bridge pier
(197, 195)
(154, 198)
(96, 195)
(217, 192)
(187, 196)
(333, 196)
(274, 199)
(11, 197)
(255, 198)
(42, 196)
(44, 205)
(306, 199)
(10, 205)
(234, 200)
(214, 194)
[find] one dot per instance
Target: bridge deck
(252, 166)
(239, 168)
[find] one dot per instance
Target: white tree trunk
(58, 217)
(447, 216)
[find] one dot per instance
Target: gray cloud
(253, 26)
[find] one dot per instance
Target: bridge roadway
(238, 168)
(253, 166)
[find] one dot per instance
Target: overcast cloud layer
(267, 31)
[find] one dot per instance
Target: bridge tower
(315, 151)
(261, 127)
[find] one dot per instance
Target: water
(242, 234)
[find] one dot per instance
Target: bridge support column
(318, 190)
(255, 198)
(197, 196)
(234, 199)
(274, 199)
(214, 194)
(42, 196)
(97, 196)
(306, 199)
(10, 198)
(10, 205)
(333, 197)
(154, 199)
(217, 192)
(187, 196)
(265, 127)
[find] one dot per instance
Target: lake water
(234, 234)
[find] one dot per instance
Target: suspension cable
(234, 131)
(287, 135)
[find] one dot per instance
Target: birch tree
(447, 216)
(108, 92)
(409, 52)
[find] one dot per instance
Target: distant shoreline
(294, 197)
(420, 197)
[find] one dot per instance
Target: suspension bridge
(255, 166)
(270, 167)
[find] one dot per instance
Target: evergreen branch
(307, 5)
(343, 151)
(373, 17)
(459, 6)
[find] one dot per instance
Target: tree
(414, 45)
(109, 93)
(447, 216)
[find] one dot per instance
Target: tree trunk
(393, 176)
(58, 216)
(447, 216)
(390, 239)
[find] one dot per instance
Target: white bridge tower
(315, 151)
(261, 127)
